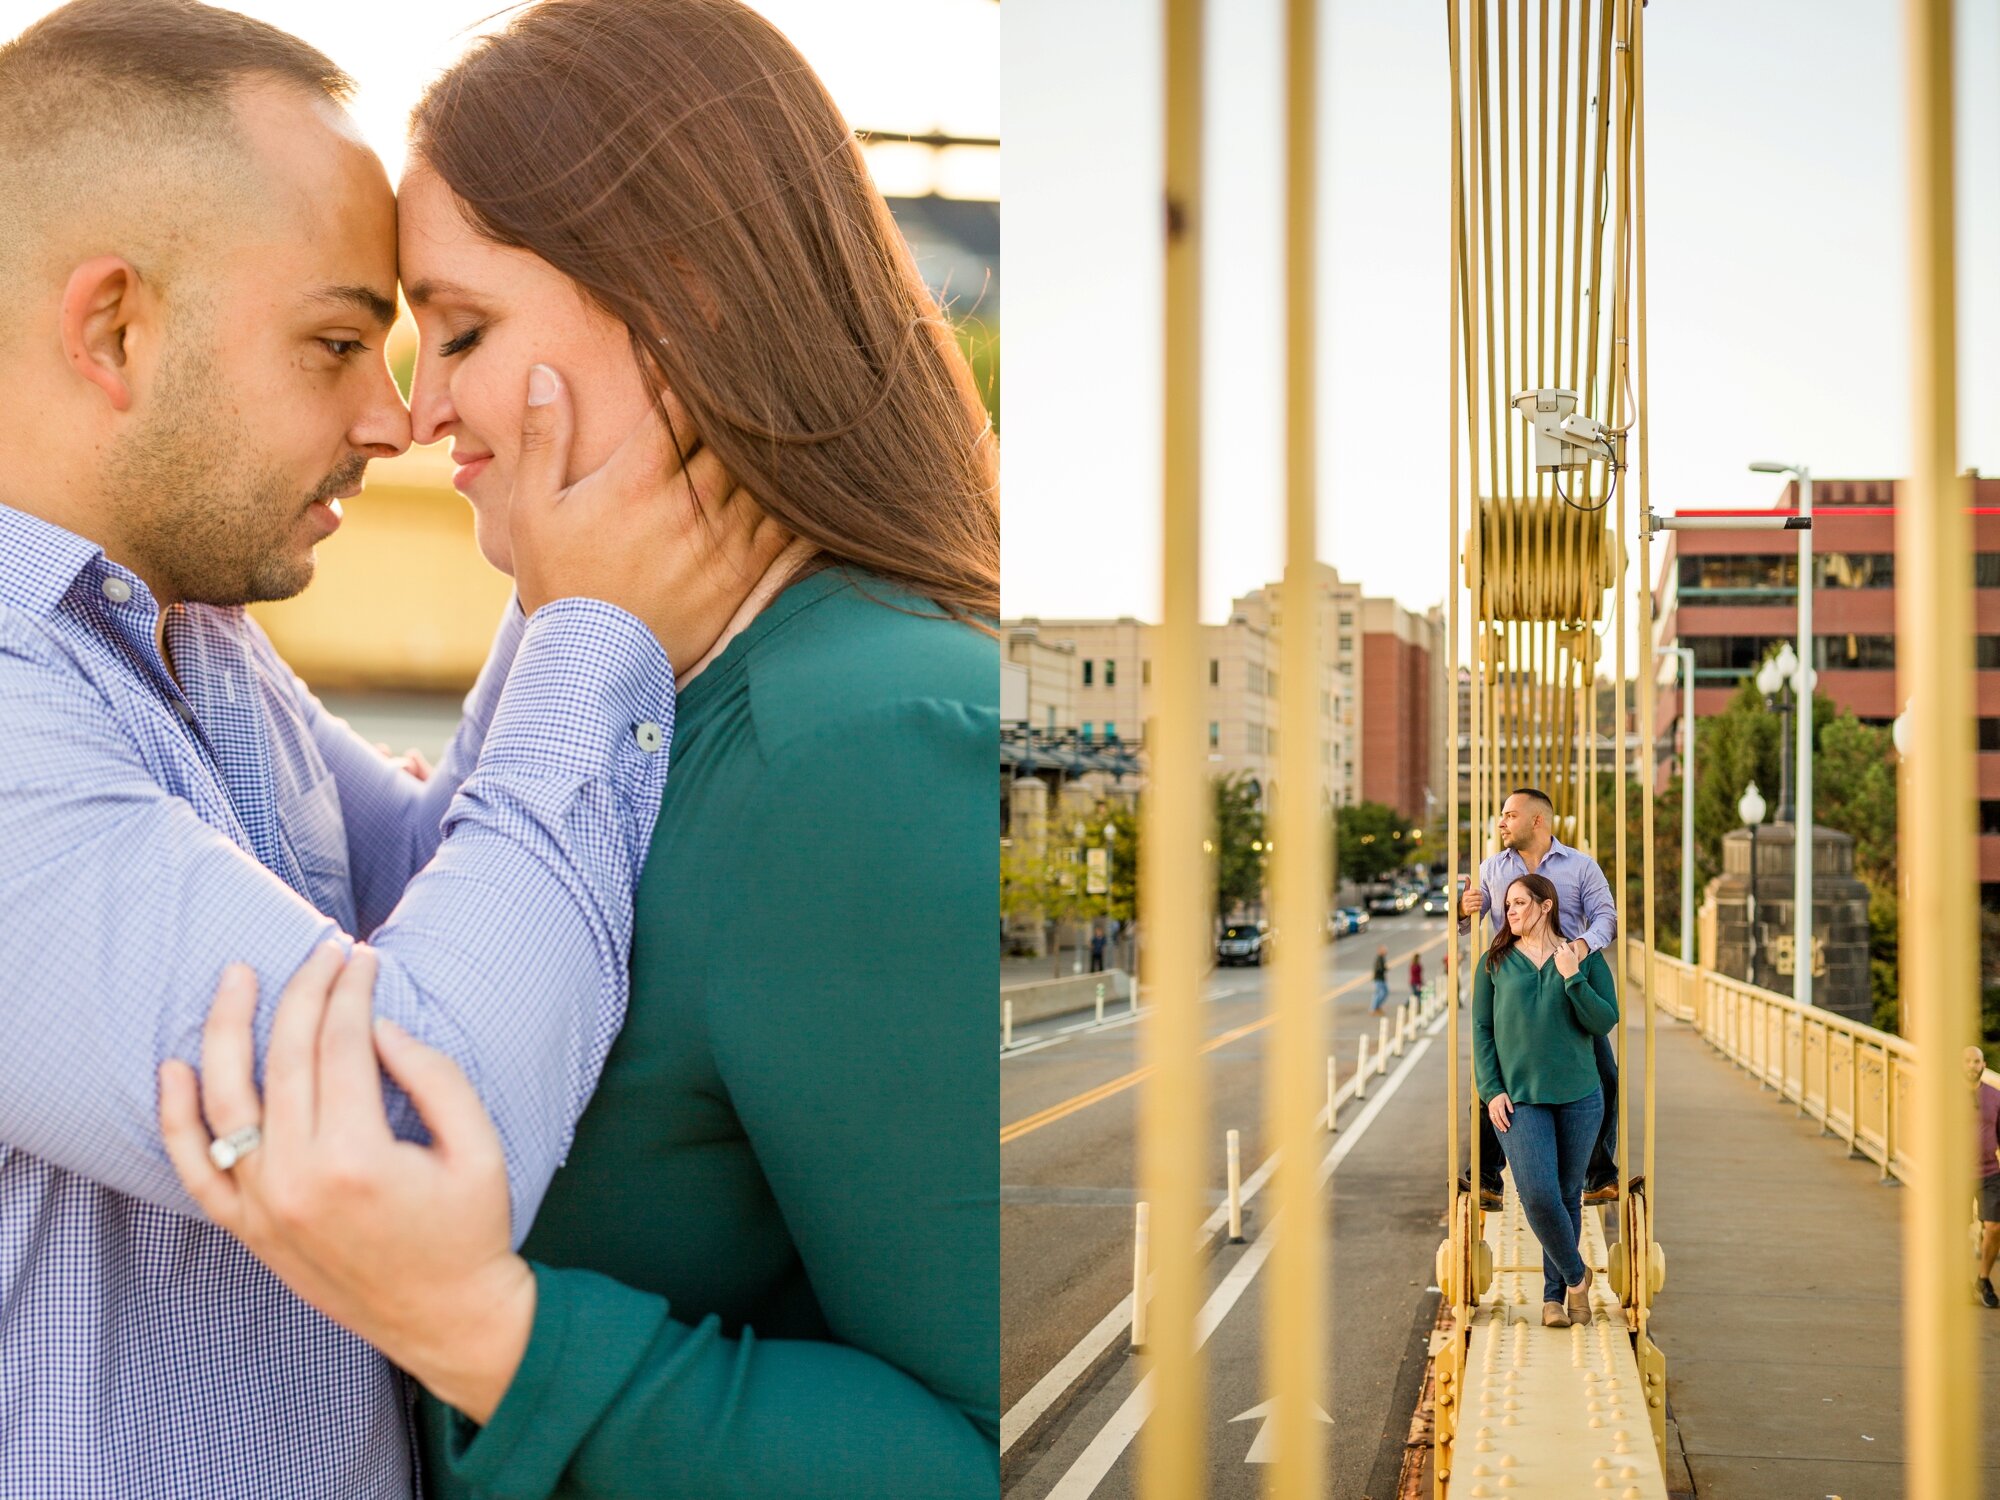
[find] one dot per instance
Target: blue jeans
(1548, 1146)
(1381, 996)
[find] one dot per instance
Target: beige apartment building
(1095, 677)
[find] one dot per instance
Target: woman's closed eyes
(460, 344)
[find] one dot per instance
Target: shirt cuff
(591, 695)
(589, 1334)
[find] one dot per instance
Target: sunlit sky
(1777, 210)
(911, 66)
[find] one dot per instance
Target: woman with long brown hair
(1535, 1008)
(768, 1267)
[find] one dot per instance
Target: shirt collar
(40, 561)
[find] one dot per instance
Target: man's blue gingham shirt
(151, 833)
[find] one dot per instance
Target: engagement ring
(226, 1151)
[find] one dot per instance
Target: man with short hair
(200, 260)
(1986, 1101)
(1589, 922)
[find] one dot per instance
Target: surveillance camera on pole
(1564, 438)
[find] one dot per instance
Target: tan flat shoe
(1554, 1315)
(1577, 1302)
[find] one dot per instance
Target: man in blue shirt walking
(1528, 845)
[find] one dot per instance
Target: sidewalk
(1781, 1317)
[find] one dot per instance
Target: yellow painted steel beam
(1550, 1413)
(1295, 1310)
(1940, 972)
(1175, 913)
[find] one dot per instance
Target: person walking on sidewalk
(1416, 976)
(1535, 1007)
(1589, 921)
(1381, 980)
(1987, 1099)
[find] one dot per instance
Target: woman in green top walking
(768, 1267)
(1534, 1011)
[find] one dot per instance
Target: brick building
(1733, 595)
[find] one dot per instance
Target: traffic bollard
(1235, 1191)
(1361, 1068)
(1141, 1233)
(1100, 1002)
(1382, 1046)
(1006, 1024)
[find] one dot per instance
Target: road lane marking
(1103, 1091)
(1083, 1476)
(1051, 1389)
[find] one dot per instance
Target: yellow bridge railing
(1857, 1081)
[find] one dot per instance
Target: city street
(1070, 1094)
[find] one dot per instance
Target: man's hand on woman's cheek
(405, 1245)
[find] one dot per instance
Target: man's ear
(101, 301)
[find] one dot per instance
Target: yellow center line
(1119, 1085)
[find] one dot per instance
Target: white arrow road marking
(1262, 1446)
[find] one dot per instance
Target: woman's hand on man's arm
(401, 1244)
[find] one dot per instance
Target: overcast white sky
(898, 65)
(1777, 217)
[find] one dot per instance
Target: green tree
(1372, 839)
(1239, 841)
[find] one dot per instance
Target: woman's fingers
(228, 1053)
(459, 1126)
(187, 1145)
(350, 1084)
(291, 1092)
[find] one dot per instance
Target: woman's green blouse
(1531, 1028)
(770, 1266)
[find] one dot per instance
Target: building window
(1851, 653)
(1110, 730)
(1854, 570)
(1145, 674)
(1989, 815)
(1347, 643)
(1087, 665)
(1214, 672)
(1085, 731)
(1989, 734)
(1110, 672)
(1773, 573)
(1214, 734)
(1986, 570)
(1986, 656)
(1346, 618)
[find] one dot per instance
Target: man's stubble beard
(199, 509)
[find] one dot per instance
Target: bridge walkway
(1781, 1316)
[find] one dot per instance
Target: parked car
(1353, 919)
(1242, 943)
(1437, 902)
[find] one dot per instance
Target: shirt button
(648, 735)
(117, 590)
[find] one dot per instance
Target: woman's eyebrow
(432, 287)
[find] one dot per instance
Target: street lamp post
(1802, 857)
(1750, 808)
(1685, 656)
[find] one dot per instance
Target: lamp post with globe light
(1750, 808)
(1802, 853)
(1785, 680)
